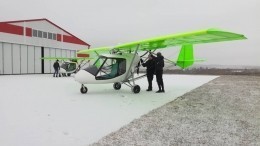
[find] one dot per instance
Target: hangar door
(55, 52)
(26, 59)
(19, 59)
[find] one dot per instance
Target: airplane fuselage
(95, 74)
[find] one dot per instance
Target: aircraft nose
(82, 76)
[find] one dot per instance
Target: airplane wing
(95, 51)
(67, 58)
(195, 37)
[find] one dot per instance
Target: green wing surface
(95, 50)
(67, 58)
(195, 37)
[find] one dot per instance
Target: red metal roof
(44, 19)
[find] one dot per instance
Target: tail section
(186, 57)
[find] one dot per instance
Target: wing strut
(130, 67)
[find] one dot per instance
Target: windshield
(107, 68)
(64, 65)
(93, 69)
(69, 66)
(111, 68)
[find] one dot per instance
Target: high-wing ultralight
(69, 65)
(117, 64)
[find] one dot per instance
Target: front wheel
(83, 90)
(117, 86)
(136, 89)
(68, 74)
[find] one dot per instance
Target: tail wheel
(68, 74)
(136, 88)
(117, 86)
(83, 90)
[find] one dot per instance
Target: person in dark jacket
(150, 66)
(56, 67)
(159, 64)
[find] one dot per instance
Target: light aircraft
(118, 65)
(69, 65)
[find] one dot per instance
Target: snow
(42, 110)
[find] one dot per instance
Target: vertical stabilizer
(186, 57)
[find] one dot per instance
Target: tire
(136, 89)
(117, 86)
(68, 74)
(83, 90)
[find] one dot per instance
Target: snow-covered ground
(42, 110)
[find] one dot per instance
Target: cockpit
(107, 68)
(69, 66)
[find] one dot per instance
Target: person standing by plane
(159, 64)
(56, 67)
(150, 67)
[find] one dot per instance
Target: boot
(162, 88)
(159, 89)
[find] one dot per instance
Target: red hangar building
(24, 42)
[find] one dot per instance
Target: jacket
(150, 66)
(56, 65)
(159, 63)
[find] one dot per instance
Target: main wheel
(136, 89)
(83, 90)
(68, 74)
(117, 86)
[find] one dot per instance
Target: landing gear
(136, 89)
(83, 89)
(117, 86)
(68, 74)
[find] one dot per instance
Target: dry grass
(225, 111)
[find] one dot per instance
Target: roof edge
(45, 19)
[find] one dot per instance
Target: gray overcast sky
(109, 22)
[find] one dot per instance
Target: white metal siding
(30, 59)
(23, 59)
(47, 63)
(58, 52)
(24, 63)
(16, 56)
(1, 59)
(53, 54)
(7, 58)
(37, 60)
(68, 53)
(73, 53)
(64, 53)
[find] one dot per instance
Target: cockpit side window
(111, 68)
(64, 65)
(72, 66)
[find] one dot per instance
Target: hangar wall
(25, 59)
(24, 42)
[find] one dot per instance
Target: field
(42, 110)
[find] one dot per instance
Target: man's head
(150, 56)
(159, 54)
(57, 60)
